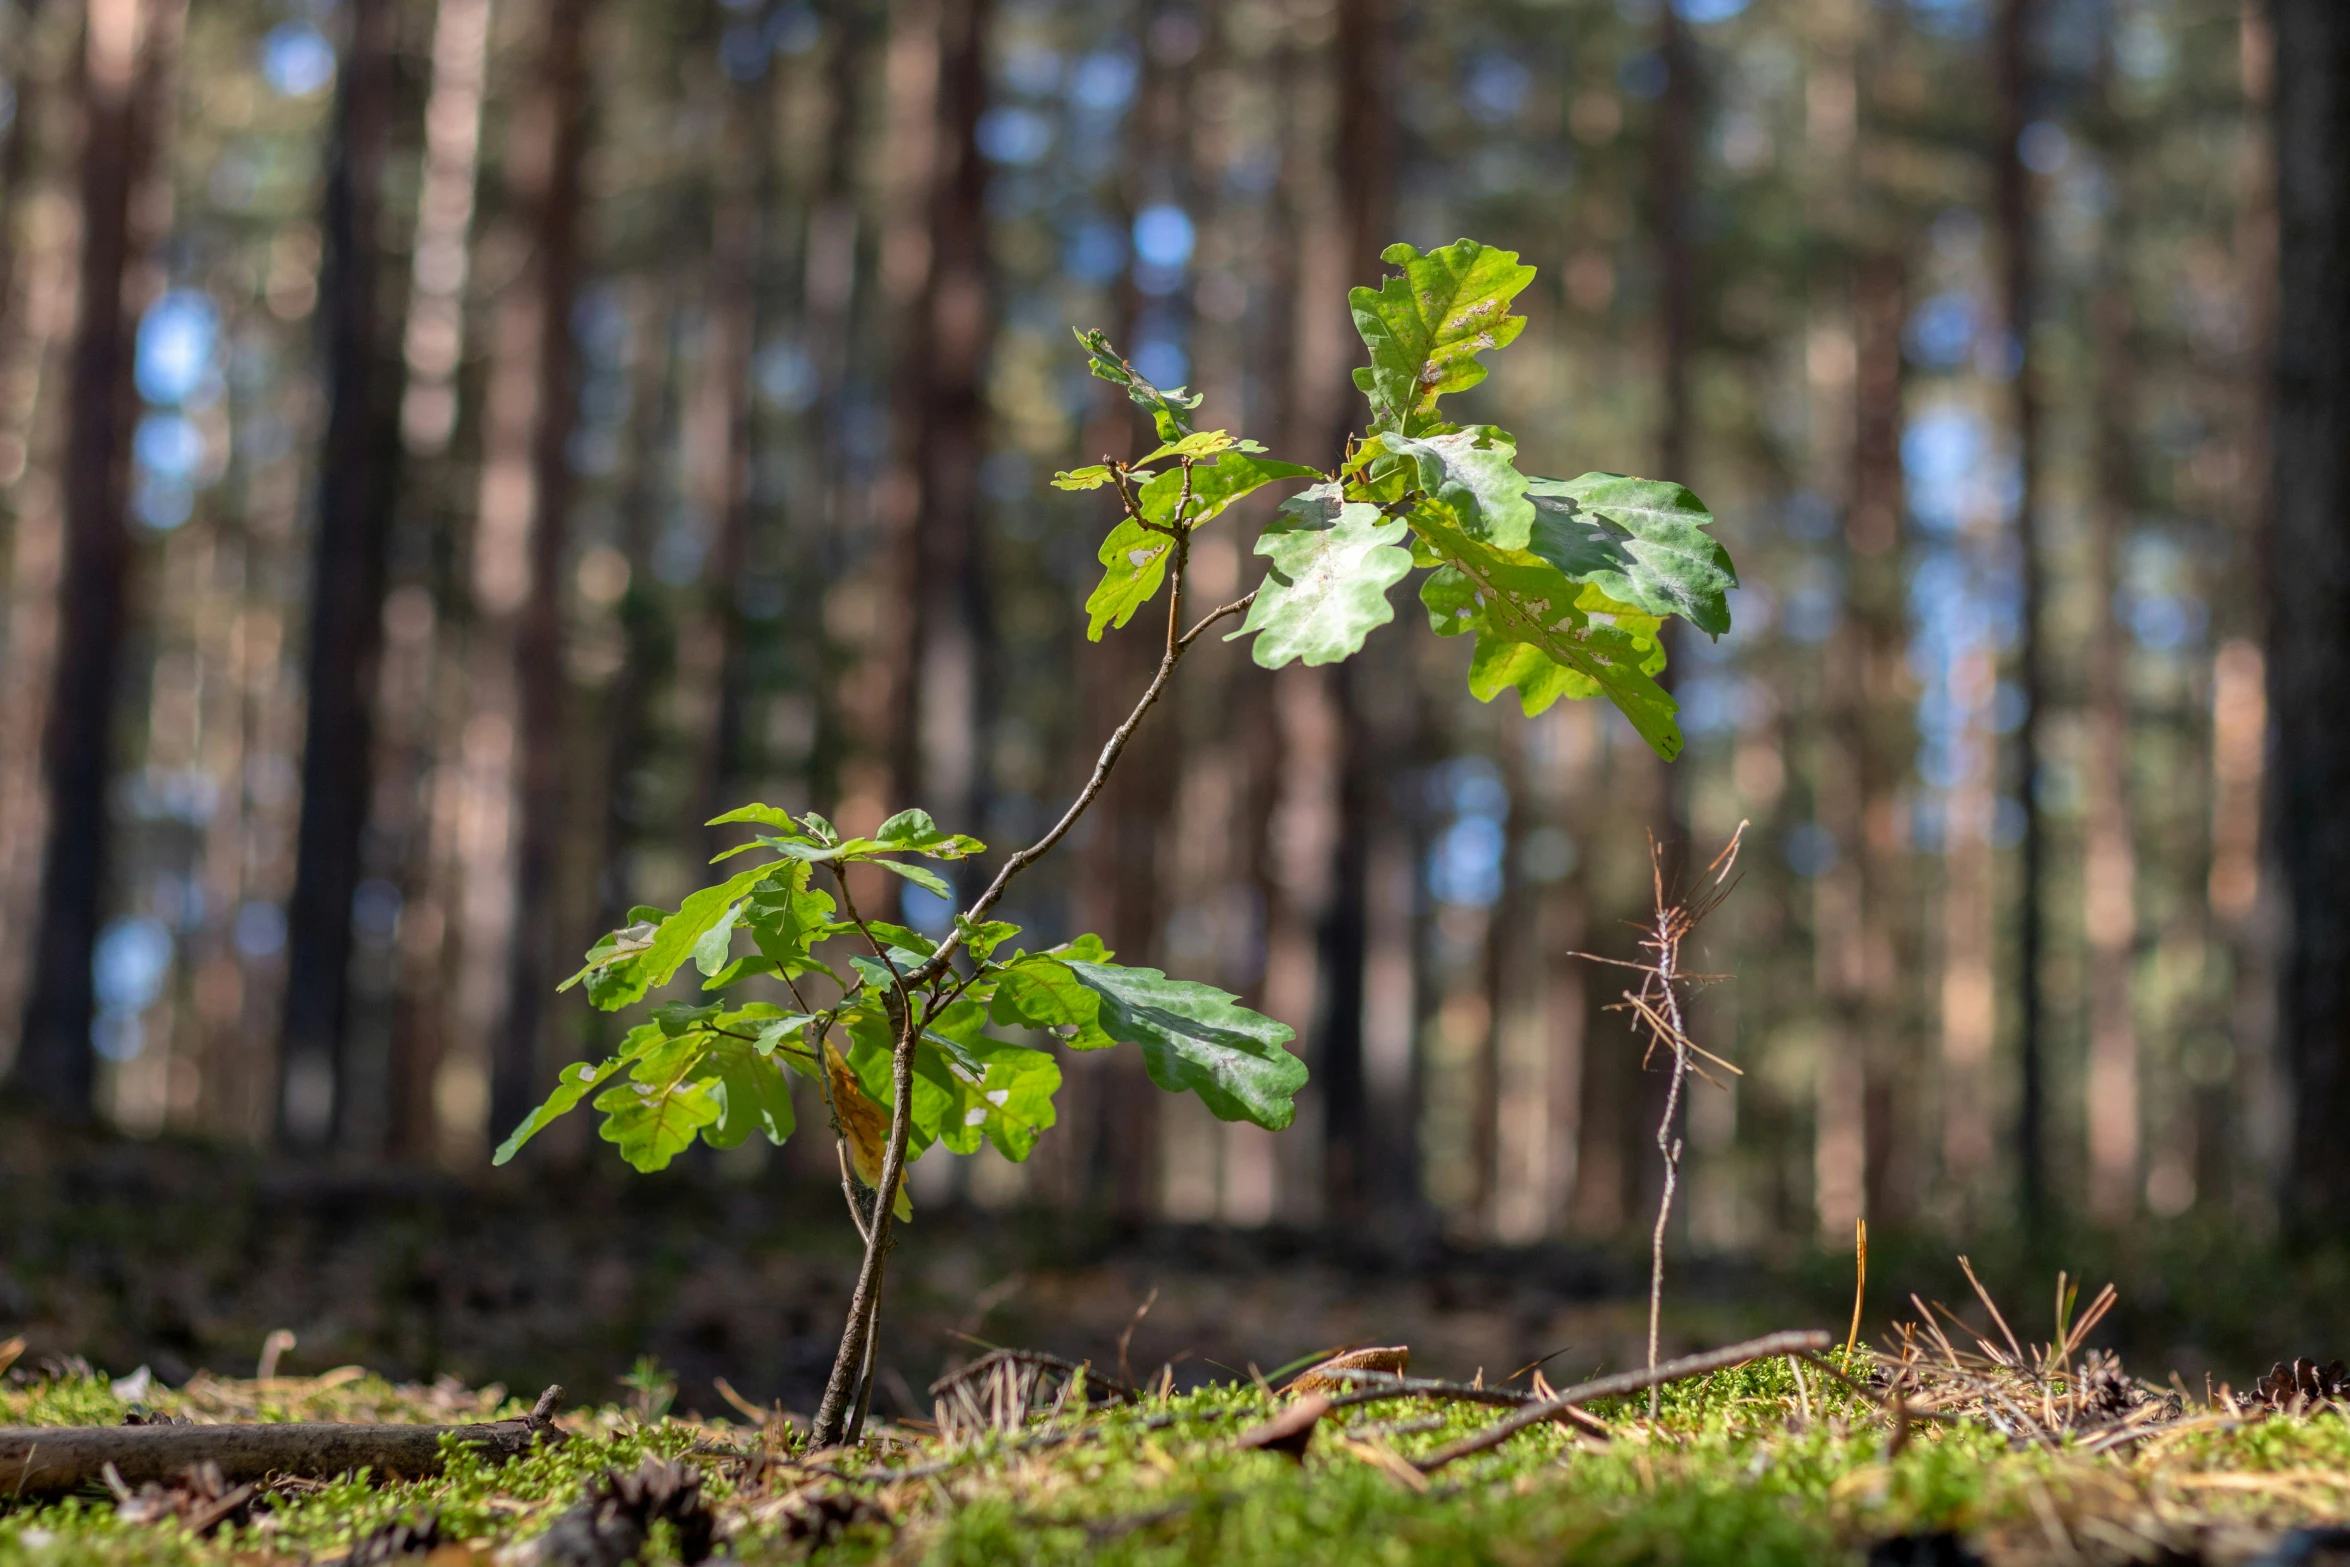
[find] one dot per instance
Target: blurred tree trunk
(2309, 632)
(1362, 1160)
(937, 762)
(519, 550)
(421, 746)
(2014, 217)
(2109, 855)
(746, 192)
(16, 146)
(358, 467)
(831, 271)
(38, 252)
(125, 75)
(651, 642)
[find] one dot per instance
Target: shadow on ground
(179, 1256)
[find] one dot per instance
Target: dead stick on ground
(46, 1460)
(1623, 1382)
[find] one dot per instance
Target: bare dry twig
(1656, 1006)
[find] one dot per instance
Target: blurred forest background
(531, 426)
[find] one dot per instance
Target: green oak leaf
(1136, 562)
(786, 916)
(1214, 486)
(1089, 478)
(655, 1114)
(1426, 327)
(1514, 596)
(1643, 541)
(625, 973)
(1473, 471)
(1040, 991)
(983, 938)
(765, 815)
(920, 875)
(1195, 1037)
(1200, 443)
(913, 832)
(753, 1096)
(1170, 411)
(575, 1083)
(1326, 589)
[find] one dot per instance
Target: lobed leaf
(1135, 558)
(1514, 597)
(627, 970)
(575, 1083)
(1214, 486)
(1642, 541)
(666, 1101)
(753, 1096)
(1426, 327)
(913, 832)
(1326, 589)
(1195, 1037)
(1473, 471)
(1170, 411)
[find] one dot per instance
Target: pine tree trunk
(2014, 218)
(519, 552)
(357, 470)
(2309, 633)
(128, 51)
(1354, 1169)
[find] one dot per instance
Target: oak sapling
(1563, 585)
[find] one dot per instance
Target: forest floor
(1750, 1465)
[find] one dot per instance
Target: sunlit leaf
(1642, 541)
(655, 1114)
(1473, 471)
(1134, 559)
(1170, 411)
(1426, 327)
(1333, 562)
(1195, 1037)
(1514, 596)
(913, 832)
(575, 1083)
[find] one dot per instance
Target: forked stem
(848, 1392)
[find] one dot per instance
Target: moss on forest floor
(1739, 1467)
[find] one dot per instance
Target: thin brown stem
(1764, 1348)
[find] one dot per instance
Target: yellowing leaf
(864, 1125)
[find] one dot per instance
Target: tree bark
(522, 563)
(126, 58)
(2309, 594)
(1364, 164)
(2014, 218)
(938, 740)
(357, 471)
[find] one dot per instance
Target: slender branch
(1214, 615)
(1767, 1347)
(1112, 749)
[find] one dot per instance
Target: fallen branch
(47, 1460)
(1764, 1348)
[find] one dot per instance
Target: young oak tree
(1563, 585)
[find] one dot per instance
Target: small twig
(1623, 1382)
